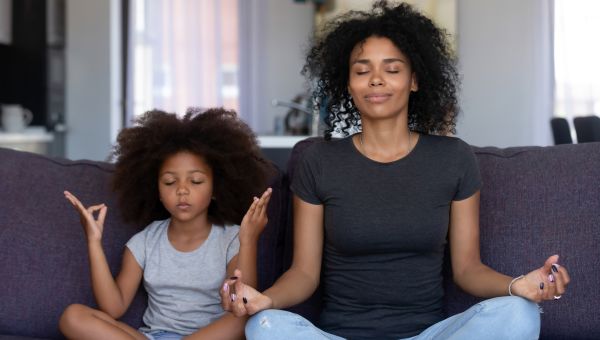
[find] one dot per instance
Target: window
(181, 54)
(576, 58)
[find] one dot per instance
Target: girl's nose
(182, 191)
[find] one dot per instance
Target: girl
(373, 211)
(190, 180)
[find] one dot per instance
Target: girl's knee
(71, 316)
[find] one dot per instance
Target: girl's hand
(241, 299)
(93, 227)
(546, 283)
(255, 220)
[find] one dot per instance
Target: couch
(535, 202)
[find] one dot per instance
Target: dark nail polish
(233, 278)
(245, 300)
(542, 285)
(554, 269)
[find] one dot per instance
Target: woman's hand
(255, 220)
(93, 226)
(241, 299)
(546, 283)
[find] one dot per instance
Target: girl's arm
(113, 297)
(229, 326)
(480, 280)
(300, 281)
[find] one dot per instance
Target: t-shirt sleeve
(470, 180)
(137, 246)
(304, 183)
(233, 248)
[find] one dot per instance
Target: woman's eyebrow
(385, 61)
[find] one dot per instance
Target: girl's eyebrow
(189, 172)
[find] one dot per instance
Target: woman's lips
(377, 97)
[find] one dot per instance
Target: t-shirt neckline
(405, 158)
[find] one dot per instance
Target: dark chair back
(561, 131)
(587, 129)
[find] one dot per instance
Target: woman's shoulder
(446, 143)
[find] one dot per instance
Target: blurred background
(83, 69)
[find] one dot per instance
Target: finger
(252, 210)
(239, 308)
(102, 214)
(225, 300)
(264, 201)
(564, 273)
(549, 262)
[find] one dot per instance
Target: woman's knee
(523, 315)
(263, 324)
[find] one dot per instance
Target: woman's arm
(297, 283)
(113, 296)
(302, 279)
(477, 279)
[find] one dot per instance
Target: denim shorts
(162, 335)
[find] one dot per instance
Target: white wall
(288, 26)
(93, 85)
(505, 56)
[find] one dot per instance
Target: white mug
(15, 118)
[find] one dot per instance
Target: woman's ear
(414, 84)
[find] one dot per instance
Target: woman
(372, 212)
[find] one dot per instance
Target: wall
(93, 85)
(288, 25)
(505, 56)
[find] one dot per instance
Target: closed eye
(197, 182)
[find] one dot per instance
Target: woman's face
(381, 79)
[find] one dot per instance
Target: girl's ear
(414, 84)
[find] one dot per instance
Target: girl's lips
(183, 205)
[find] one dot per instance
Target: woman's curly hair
(227, 144)
(431, 110)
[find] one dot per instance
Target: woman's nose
(376, 80)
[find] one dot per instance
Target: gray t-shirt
(385, 232)
(183, 287)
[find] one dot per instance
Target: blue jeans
(508, 317)
(162, 335)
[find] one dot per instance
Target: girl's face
(185, 185)
(381, 79)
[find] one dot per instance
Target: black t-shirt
(385, 232)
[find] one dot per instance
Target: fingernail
(233, 297)
(541, 285)
(225, 287)
(233, 278)
(551, 278)
(245, 300)
(555, 268)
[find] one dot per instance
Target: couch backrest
(43, 253)
(535, 202)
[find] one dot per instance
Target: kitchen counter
(32, 139)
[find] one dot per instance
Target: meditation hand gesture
(548, 282)
(255, 220)
(93, 226)
(241, 299)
